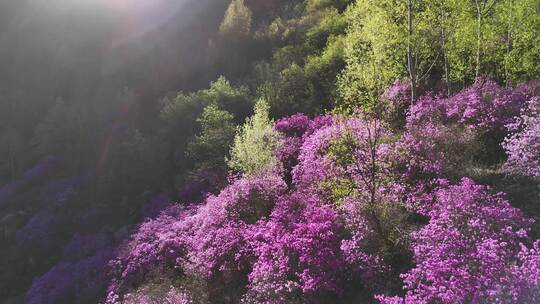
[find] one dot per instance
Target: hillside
(250, 151)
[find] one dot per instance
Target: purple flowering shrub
(206, 241)
(350, 163)
(485, 105)
(399, 92)
(156, 241)
(215, 242)
(293, 126)
(362, 248)
(523, 143)
(40, 232)
(173, 296)
(72, 282)
(343, 151)
(470, 250)
(484, 108)
(395, 101)
(295, 129)
(435, 150)
(443, 136)
(297, 252)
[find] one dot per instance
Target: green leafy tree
(211, 146)
(181, 112)
(300, 77)
(237, 20)
(255, 143)
(374, 50)
(380, 42)
(520, 21)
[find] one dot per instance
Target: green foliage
(522, 58)
(376, 48)
(508, 38)
(255, 143)
(210, 148)
(237, 20)
(185, 108)
(450, 43)
(301, 75)
(185, 116)
(341, 151)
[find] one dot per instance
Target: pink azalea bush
(173, 296)
(343, 150)
(435, 150)
(296, 129)
(470, 250)
(297, 251)
(523, 144)
(444, 135)
(206, 241)
(484, 105)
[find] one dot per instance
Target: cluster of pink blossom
(523, 144)
(72, 281)
(296, 129)
(156, 242)
(443, 135)
(297, 251)
(217, 233)
(484, 105)
(208, 240)
(435, 150)
(317, 161)
(173, 296)
(470, 250)
(399, 92)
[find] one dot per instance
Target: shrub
(470, 250)
(522, 145)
